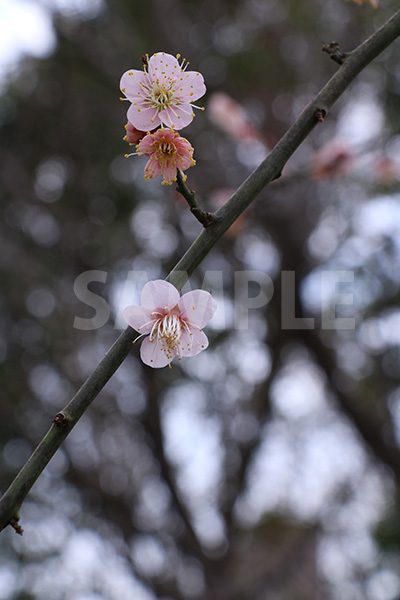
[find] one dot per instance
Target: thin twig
(205, 218)
(355, 62)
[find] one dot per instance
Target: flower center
(167, 148)
(161, 97)
(168, 329)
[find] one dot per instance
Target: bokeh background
(268, 467)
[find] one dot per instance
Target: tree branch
(205, 218)
(267, 171)
(152, 424)
(368, 426)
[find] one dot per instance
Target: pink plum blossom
(168, 151)
(173, 324)
(133, 135)
(162, 94)
(232, 118)
(332, 160)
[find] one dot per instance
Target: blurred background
(268, 467)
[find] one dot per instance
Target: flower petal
(168, 173)
(197, 307)
(177, 117)
(191, 86)
(159, 294)
(139, 318)
(152, 168)
(130, 84)
(192, 343)
(163, 68)
(146, 145)
(133, 135)
(185, 161)
(155, 353)
(143, 117)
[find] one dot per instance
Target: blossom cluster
(161, 98)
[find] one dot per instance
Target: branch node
(277, 176)
(14, 522)
(61, 420)
(320, 115)
(334, 52)
(204, 217)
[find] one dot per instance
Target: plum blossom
(133, 135)
(332, 160)
(173, 324)
(162, 94)
(167, 152)
(232, 118)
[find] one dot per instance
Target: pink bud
(133, 135)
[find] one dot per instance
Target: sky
(26, 28)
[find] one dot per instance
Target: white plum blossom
(173, 324)
(162, 94)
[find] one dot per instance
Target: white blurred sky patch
(8, 580)
(84, 9)
(26, 28)
(380, 216)
(192, 439)
(362, 119)
(288, 397)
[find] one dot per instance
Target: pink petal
(130, 84)
(142, 117)
(197, 307)
(191, 86)
(164, 68)
(152, 168)
(133, 135)
(146, 145)
(155, 353)
(169, 174)
(184, 162)
(159, 294)
(177, 117)
(139, 318)
(192, 343)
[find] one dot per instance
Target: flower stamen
(168, 330)
(164, 87)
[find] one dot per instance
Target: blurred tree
(260, 469)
